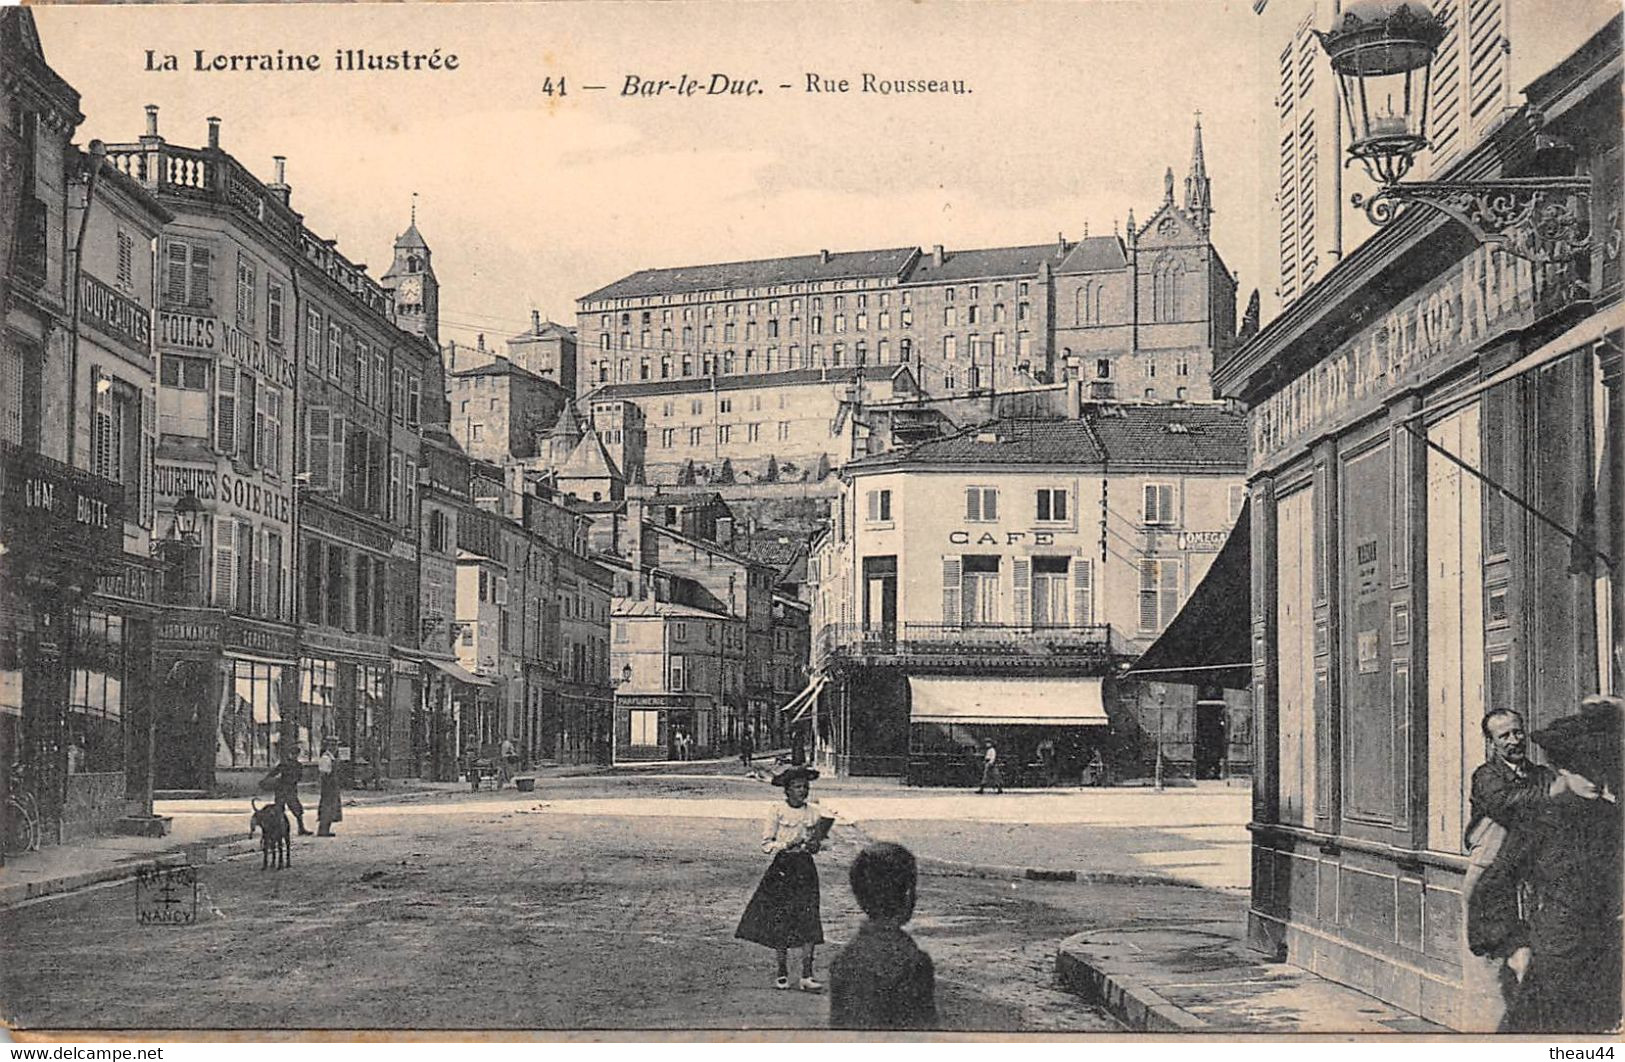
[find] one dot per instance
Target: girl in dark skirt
(331, 809)
(783, 912)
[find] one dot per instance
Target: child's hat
(794, 774)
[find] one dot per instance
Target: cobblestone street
(551, 910)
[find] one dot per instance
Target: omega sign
(211, 485)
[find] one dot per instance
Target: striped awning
(1006, 701)
(802, 702)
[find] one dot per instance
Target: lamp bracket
(1546, 220)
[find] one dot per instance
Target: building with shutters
(290, 405)
(79, 589)
(1435, 520)
(993, 583)
(1491, 48)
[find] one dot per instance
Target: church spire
(1198, 189)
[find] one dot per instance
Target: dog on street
(276, 848)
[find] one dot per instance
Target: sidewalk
(1201, 978)
(196, 836)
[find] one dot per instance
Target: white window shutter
(950, 590)
(1148, 595)
(1022, 569)
(1082, 592)
(225, 408)
(225, 562)
(1168, 591)
(318, 446)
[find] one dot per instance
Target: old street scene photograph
(724, 520)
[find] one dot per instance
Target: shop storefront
(64, 655)
(1435, 536)
(647, 725)
(226, 691)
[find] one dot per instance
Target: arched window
(1165, 289)
(414, 264)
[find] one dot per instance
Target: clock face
(412, 289)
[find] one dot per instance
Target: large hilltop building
(1139, 316)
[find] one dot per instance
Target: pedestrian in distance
(283, 781)
(1564, 944)
(747, 748)
(679, 744)
(1505, 788)
(331, 807)
(882, 980)
(783, 913)
(509, 762)
(991, 775)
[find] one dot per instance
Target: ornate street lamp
(1382, 52)
(187, 511)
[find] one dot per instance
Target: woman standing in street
(331, 808)
(783, 913)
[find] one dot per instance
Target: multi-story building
(967, 320)
(792, 648)
(686, 676)
(765, 427)
(498, 410)
(990, 583)
(1435, 530)
(547, 349)
(77, 425)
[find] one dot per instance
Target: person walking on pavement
(331, 807)
(510, 760)
(1505, 788)
(991, 776)
(747, 747)
(284, 784)
(783, 913)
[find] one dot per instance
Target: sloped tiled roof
(1200, 437)
(589, 460)
(649, 608)
(1177, 436)
(986, 262)
(759, 273)
(547, 330)
(1095, 253)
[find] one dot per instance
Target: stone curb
(1130, 1002)
(210, 850)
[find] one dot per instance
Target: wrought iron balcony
(950, 642)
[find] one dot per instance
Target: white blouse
(784, 825)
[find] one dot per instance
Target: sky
(1075, 110)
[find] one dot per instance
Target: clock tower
(412, 283)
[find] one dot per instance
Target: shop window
(96, 696)
(250, 731)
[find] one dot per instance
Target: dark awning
(1209, 643)
(453, 669)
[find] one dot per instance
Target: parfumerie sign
(189, 332)
(117, 315)
(1486, 294)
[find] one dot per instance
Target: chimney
(152, 120)
(936, 255)
(481, 342)
(725, 531)
(214, 134)
(280, 185)
(823, 257)
(634, 543)
(536, 321)
(1074, 399)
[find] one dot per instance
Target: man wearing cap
(1566, 851)
(1505, 787)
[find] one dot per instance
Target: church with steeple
(1141, 317)
(412, 284)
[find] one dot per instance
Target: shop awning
(1208, 642)
(802, 702)
(1006, 701)
(453, 669)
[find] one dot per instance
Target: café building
(1435, 534)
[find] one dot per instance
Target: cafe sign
(1486, 294)
(116, 314)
